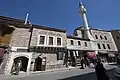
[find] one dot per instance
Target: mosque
(33, 48)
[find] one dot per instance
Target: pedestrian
(13, 69)
(101, 72)
(94, 62)
(98, 58)
(82, 63)
(88, 62)
(117, 70)
(18, 66)
(118, 59)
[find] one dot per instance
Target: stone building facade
(116, 37)
(52, 48)
(76, 49)
(31, 48)
(41, 48)
(106, 46)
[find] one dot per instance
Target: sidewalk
(60, 73)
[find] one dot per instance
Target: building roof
(116, 30)
(91, 28)
(20, 24)
(78, 38)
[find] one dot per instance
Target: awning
(2, 52)
(91, 54)
(111, 55)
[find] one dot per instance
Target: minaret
(87, 34)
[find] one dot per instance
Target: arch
(38, 64)
(19, 64)
(19, 55)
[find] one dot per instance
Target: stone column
(32, 66)
(8, 68)
(29, 64)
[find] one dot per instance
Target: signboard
(91, 54)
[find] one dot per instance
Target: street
(91, 76)
(69, 74)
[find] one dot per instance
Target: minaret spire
(87, 34)
(83, 11)
(80, 3)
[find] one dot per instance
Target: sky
(64, 14)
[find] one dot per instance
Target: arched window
(99, 47)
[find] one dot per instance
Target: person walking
(82, 63)
(98, 58)
(88, 62)
(101, 72)
(117, 70)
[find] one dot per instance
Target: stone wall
(109, 40)
(20, 37)
(76, 46)
(4, 64)
(51, 60)
(116, 36)
(47, 33)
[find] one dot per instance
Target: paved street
(70, 74)
(91, 76)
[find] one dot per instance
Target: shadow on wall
(5, 34)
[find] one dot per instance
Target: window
(108, 46)
(96, 36)
(79, 43)
(50, 40)
(58, 41)
(99, 46)
(72, 42)
(101, 37)
(42, 39)
(85, 43)
(105, 37)
(104, 46)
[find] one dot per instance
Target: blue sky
(64, 14)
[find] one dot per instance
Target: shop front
(111, 58)
(91, 55)
(104, 56)
(74, 57)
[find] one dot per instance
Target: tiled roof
(91, 28)
(20, 24)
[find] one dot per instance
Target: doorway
(38, 64)
(24, 63)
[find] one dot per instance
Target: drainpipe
(31, 31)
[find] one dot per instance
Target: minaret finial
(26, 18)
(80, 3)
